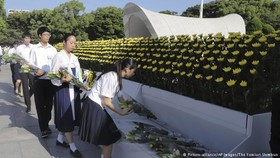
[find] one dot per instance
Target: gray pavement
(20, 134)
(19, 131)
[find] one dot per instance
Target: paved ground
(19, 131)
(20, 134)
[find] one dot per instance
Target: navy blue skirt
(64, 120)
(97, 126)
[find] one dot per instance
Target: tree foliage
(254, 12)
(107, 24)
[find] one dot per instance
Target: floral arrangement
(165, 143)
(240, 72)
(137, 108)
(62, 72)
(15, 58)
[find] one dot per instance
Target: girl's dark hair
(119, 66)
(42, 30)
(66, 36)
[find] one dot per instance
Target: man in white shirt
(41, 56)
(27, 79)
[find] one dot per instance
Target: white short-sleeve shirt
(106, 86)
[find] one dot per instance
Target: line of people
(95, 124)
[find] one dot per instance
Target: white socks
(60, 138)
(73, 147)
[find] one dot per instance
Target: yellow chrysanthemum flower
(196, 65)
(168, 63)
(220, 79)
(231, 45)
(271, 45)
(189, 74)
(176, 72)
(209, 77)
(185, 57)
(255, 62)
(201, 58)
(214, 67)
(242, 62)
(231, 60)
(154, 69)
(236, 52)
(263, 53)
(206, 66)
(262, 39)
(206, 52)
(198, 52)
(198, 76)
(227, 69)
(241, 45)
(231, 82)
(248, 40)
(167, 71)
(161, 69)
(243, 83)
(249, 53)
(253, 71)
(256, 45)
(236, 71)
(225, 52)
(210, 58)
(188, 64)
(182, 73)
(221, 59)
(145, 67)
(216, 51)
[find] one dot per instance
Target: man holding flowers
(41, 56)
(23, 50)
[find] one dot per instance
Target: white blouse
(61, 60)
(106, 86)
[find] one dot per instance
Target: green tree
(169, 12)
(107, 24)
(65, 19)
(268, 11)
(19, 21)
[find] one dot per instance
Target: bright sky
(91, 5)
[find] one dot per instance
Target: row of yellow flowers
(196, 65)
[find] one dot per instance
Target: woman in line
(67, 98)
(97, 126)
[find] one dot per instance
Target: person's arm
(107, 101)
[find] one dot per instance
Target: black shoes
(46, 133)
(76, 153)
(64, 144)
(28, 109)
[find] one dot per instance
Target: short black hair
(43, 29)
(26, 34)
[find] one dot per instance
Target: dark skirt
(97, 126)
(64, 120)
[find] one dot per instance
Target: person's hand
(66, 78)
(39, 72)
(124, 112)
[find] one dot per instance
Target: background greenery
(106, 23)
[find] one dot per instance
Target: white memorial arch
(140, 22)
